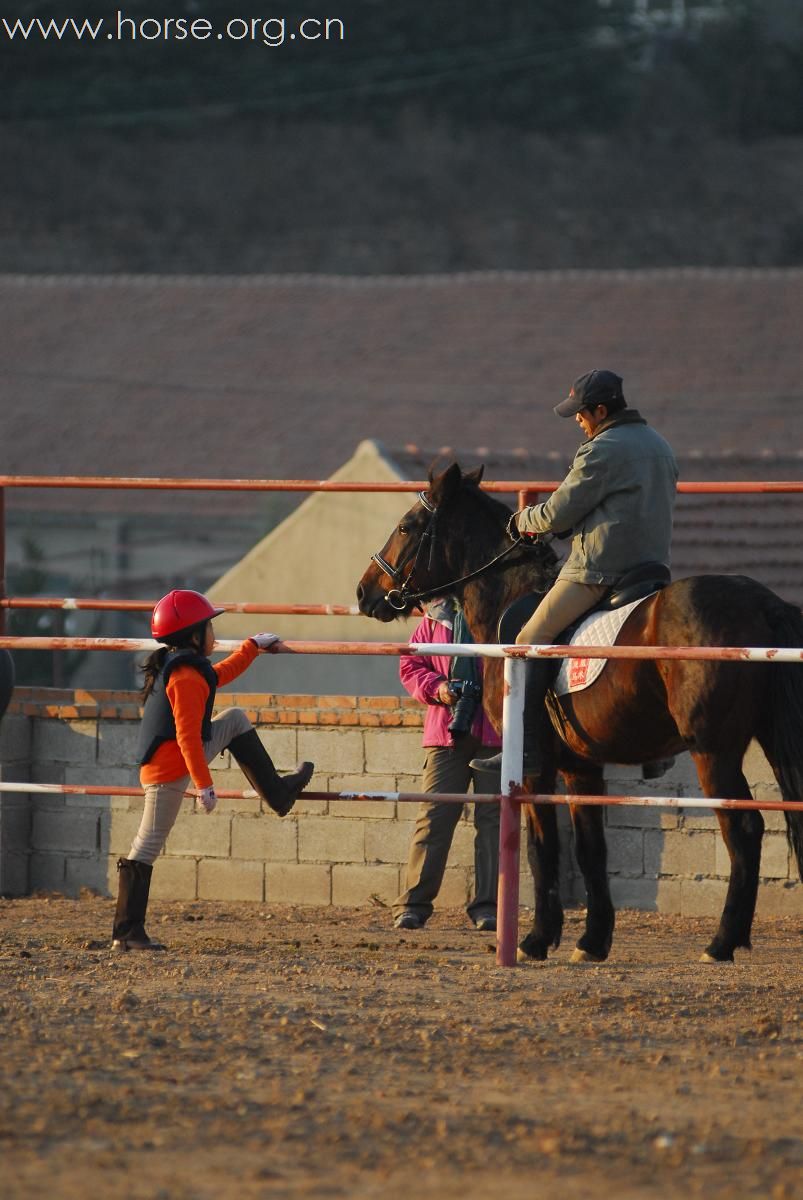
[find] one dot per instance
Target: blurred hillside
(432, 137)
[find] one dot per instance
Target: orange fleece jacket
(188, 692)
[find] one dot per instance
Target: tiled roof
(282, 376)
(749, 534)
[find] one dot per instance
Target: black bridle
(394, 573)
(400, 597)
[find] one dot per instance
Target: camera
(469, 696)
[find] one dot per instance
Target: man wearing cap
(616, 502)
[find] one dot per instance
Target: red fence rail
(154, 483)
(74, 604)
(519, 796)
(747, 654)
(526, 490)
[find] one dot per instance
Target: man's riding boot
(280, 791)
(540, 672)
(133, 885)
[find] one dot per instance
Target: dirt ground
(320, 1053)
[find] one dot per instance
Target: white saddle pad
(600, 629)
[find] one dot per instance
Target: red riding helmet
(178, 611)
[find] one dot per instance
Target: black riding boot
(280, 791)
(133, 885)
(540, 672)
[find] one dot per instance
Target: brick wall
(326, 852)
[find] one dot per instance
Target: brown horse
(454, 540)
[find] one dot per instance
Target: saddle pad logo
(600, 629)
(578, 672)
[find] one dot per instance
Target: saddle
(642, 581)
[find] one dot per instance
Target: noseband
(400, 597)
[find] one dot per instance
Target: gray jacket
(616, 501)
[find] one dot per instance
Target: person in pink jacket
(431, 680)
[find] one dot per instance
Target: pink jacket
(423, 675)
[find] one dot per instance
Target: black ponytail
(151, 668)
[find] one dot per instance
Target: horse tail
(785, 731)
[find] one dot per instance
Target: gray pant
(561, 606)
(163, 800)
(446, 769)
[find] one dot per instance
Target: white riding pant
(561, 606)
(163, 800)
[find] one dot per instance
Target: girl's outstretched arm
(237, 662)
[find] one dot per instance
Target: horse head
(426, 550)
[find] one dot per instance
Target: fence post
(510, 815)
(527, 497)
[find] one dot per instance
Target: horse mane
(498, 512)
(537, 558)
(496, 508)
(470, 487)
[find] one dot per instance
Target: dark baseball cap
(591, 389)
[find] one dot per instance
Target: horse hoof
(538, 956)
(583, 956)
(523, 957)
(709, 958)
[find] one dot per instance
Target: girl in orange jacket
(179, 738)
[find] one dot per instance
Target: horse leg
(742, 832)
(543, 857)
(594, 945)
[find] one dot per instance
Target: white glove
(264, 641)
(206, 799)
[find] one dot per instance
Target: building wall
(16, 809)
(316, 556)
(127, 553)
(326, 852)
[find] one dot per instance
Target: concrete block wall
(675, 860)
(15, 809)
(326, 852)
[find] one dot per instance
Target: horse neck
(485, 599)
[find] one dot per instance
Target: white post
(510, 814)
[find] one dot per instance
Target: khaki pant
(563, 604)
(163, 800)
(446, 769)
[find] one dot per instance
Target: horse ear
(476, 475)
(442, 486)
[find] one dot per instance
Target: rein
(400, 597)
